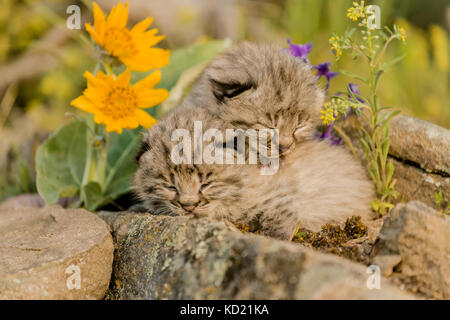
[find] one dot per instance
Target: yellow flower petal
(118, 16)
(99, 20)
(153, 58)
(145, 119)
(142, 26)
(97, 38)
(83, 103)
(148, 82)
(152, 98)
(124, 78)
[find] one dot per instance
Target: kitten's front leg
(279, 225)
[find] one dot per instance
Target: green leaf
(385, 147)
(389, 63)
(386, 120)
(390, 172)
(352, 75)
(181, 88)
(375, 205)
(121, 164)
(61, 162)
(377, 78)
(92, 195)
(185, 58)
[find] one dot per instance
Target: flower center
(119, 42)
(119, 102)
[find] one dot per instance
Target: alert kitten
(262, 86)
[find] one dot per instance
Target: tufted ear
(230, 90)
(145, 146)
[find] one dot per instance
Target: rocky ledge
(160, 257)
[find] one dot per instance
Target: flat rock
(421, 238)
(160, 257)
(421, 142)
(53, 253)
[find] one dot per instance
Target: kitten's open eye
(224, 91)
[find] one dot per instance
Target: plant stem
(102, 158)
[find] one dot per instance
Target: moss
(334, 239)
(331, 239)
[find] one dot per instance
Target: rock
(23, 200)
(421, 237)
(421, 142)
(415, 184)
(161, 257)
(34, 200)
(52, 253)
(420, 152)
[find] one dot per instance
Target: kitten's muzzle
(285, 144)
(189, 209)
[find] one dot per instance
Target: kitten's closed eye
(171, 188)
(224, 91)
(205, 185)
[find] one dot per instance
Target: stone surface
(421, 142)
(421, 237)
(415, 184)
(420, 152)
(160, 257)
(43, 250)
(33, 200)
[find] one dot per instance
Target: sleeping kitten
(321, 184)
(254, 86)
(165, 187)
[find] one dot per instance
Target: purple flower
(323, 70)
(300, 51)
(355, 89)
(328, 134)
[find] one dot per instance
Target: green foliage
(441, 200)
(62, 171)
(371, 48)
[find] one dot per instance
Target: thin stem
(102, 155)
(347, 140)
(88, 166)
(383, 51)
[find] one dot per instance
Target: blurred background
(42, 61)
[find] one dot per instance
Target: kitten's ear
(230, 90)
(145, 146)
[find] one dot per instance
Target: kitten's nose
(189, 208)
(285, 143)
(189, 201)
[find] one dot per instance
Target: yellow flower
(402, 34)
(132, 47)
(357, 11)
(327, 114)
(118, 104)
